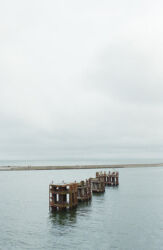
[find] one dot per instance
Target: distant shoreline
(69, 167)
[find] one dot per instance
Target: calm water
(127, 217)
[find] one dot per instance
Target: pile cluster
(63, 196)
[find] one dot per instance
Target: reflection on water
(98, 194)
(111, 187)
(69, 217)
(63, 218)
(84, 205)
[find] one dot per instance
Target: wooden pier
(98, 186)
(110, 179)
(84, 191)
(62, 196)
(102, 176)
(66, 196)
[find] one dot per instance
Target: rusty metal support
(112, 179)
(62, 196)
(98, 185)
(65, 196)
(84, 191)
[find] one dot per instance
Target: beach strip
(69, 167)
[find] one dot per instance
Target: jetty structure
(102, 176)
(110, 178)
(62, 196)
(84, 191)
(98, 185)
(67, 195)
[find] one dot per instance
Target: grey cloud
(81, 79)
(127, 73)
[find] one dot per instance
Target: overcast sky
(81, 79)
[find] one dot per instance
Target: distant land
(67, 167)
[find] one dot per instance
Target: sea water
(125, 217)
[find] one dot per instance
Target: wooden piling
(98, 186)
(84, 191)
(62, 196)
(101, 176)
(112, 179)
(65, 196)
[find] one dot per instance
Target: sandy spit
(23, 168)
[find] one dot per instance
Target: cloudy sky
(81, 79)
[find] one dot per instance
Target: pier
(102, 176)
(66, 196)
(62, 196)
(98, 185)
(84, 191)
(110, 178)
